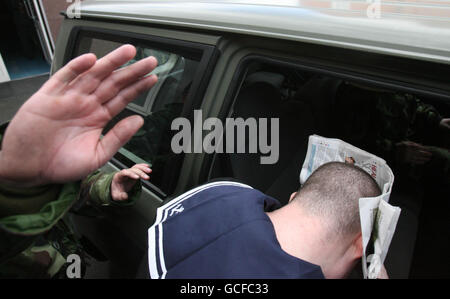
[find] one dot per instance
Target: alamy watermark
(373, 11)
(74, 10)
(236, 138)
(73, 270)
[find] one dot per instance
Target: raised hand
(124, 180)
(55, 135)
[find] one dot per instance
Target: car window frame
(206, 55)
(300, 63)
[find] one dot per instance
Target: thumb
(120, 134)
(119, 195)
(123, 196)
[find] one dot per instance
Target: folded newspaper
(378, 217)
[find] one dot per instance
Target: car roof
(418, 29)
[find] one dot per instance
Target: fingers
(68, 73)
(414, 153)
(120, 79)
(349, 160)
(420, 154)
(425, 154)
(128, 94)
(89, 81)
(138, 171)
(144, 167)
(134, 173)
(445, 123)
(119, 196)
(141, 170)
(383, 273)
(421, 157)
(129, 174)
(138, 174)
(120, 134)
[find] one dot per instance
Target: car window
(158, 106)
(409, 130)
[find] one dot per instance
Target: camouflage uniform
(36, 236)
(377, 120)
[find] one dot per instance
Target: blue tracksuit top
(220, 230)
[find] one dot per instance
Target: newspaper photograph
(378, 217)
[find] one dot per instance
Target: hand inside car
(124, 180)
(413, 153)
(55, 137)
(444, 124)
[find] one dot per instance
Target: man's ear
(292, 196)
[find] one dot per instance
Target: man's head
(321, 223)
(332, 193)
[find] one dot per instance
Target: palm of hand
(56, 133)
(70, 127)
(122, 185)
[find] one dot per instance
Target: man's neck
(303, 236)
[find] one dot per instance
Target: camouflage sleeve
(426, 118)
(28, 213)
(95, 192)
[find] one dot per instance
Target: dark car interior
(371, 116)
(310, 103)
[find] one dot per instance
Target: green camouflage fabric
(377, 120)
(36, 235)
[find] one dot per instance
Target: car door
(36, 12)
(118, 240)
(341, 94)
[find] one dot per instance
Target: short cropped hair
(333, 191)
